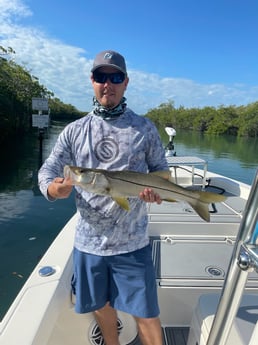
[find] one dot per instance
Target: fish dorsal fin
(122, 202)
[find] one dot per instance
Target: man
(113, 269)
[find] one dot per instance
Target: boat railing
(244, 260)
(177, 161)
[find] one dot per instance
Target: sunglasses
(115, 78)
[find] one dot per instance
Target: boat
(206, 273)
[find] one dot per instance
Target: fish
(120, 185)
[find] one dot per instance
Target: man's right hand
(60, 188)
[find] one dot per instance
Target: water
(233, 157)
(29, 223)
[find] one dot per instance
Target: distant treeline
(238, 121)
(17, 88)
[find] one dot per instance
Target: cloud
(15, 8)
(65, 70)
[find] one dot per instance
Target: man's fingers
(148, 195)
(58, 179)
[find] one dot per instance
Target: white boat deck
(191, 258)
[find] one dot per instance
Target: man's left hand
(148, 195)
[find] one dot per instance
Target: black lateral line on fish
(150, 186)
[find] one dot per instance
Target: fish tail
(201, 205)
(210, 197)
(202, 209)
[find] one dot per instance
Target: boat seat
(245, 326)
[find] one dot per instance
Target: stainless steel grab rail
(244, 259)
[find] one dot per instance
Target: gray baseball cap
(109, 58)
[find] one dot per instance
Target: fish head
(79, 175)
(91, 180)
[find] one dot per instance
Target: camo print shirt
(129, 142)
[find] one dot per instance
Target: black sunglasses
(115, 78)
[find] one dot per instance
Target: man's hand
(148, 195)
(60, 188)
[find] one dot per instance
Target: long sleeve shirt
(129, 142)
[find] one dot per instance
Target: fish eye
(78, 171)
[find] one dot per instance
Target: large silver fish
(120, 185)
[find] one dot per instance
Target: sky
(194, 53)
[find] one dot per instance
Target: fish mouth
(67, 171)
(72, 173)
(75, 174)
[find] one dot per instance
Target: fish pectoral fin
(122, 202)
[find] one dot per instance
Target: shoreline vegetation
(18, 87)
(241, 121)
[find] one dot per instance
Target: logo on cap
(107, 56)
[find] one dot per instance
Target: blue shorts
(126, 281)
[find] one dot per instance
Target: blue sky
(194, 53)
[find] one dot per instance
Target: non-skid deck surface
(175, 335)
(171, 336)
